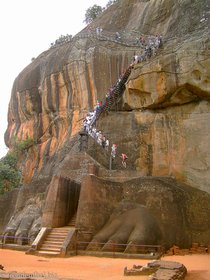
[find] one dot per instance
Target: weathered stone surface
(61, 202)
(159, 270)
(168, 270)
(7, 207)
(110, 209)
(129, 222)
(50, 108)
(51, 95)
(22, 213)
(162, 124)
(176, 215)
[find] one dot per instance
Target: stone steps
(50, 248)
(72, 222)
(53, 242)
(48, 253)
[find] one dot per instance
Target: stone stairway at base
(72, 221)
(52, 244)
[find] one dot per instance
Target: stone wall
(103, 203)
(7, 206)
(21, 212)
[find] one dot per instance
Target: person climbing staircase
(113, 96)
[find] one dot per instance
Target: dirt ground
(91, 268)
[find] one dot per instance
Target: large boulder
(51, 96)
(162, 123)
(142, 211)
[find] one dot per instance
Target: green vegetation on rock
(10, 174)
(23, 145)
(92, 13)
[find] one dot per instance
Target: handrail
(14, 237)
(116, 92)
(131, 39)
(141, 248)
(122, 244)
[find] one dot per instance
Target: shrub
(10, 176)
(92, 13)
(20, 146)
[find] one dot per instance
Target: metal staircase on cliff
(112, 99)
(116, 93)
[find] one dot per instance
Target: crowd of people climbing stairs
(150, 47)
(112, 97)
(133, 38)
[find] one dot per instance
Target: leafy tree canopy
(20, 146)
(92, 13)
(9, 174)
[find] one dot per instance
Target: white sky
(27, 27)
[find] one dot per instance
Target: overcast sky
(27, 29)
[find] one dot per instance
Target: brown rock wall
(21, 210)
(64, 98)
(100, 195)
(171, 79)
(9, 199)
(162, 124)
(165, 142)
(51, 96)
(106, 210)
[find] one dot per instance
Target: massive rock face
(51, 96)
(144, 210)
(162, 122)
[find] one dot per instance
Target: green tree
(22, 145)
(92, 13)
(10, 176)
(10, 159)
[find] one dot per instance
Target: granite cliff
(51, 96)
(161, 121)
